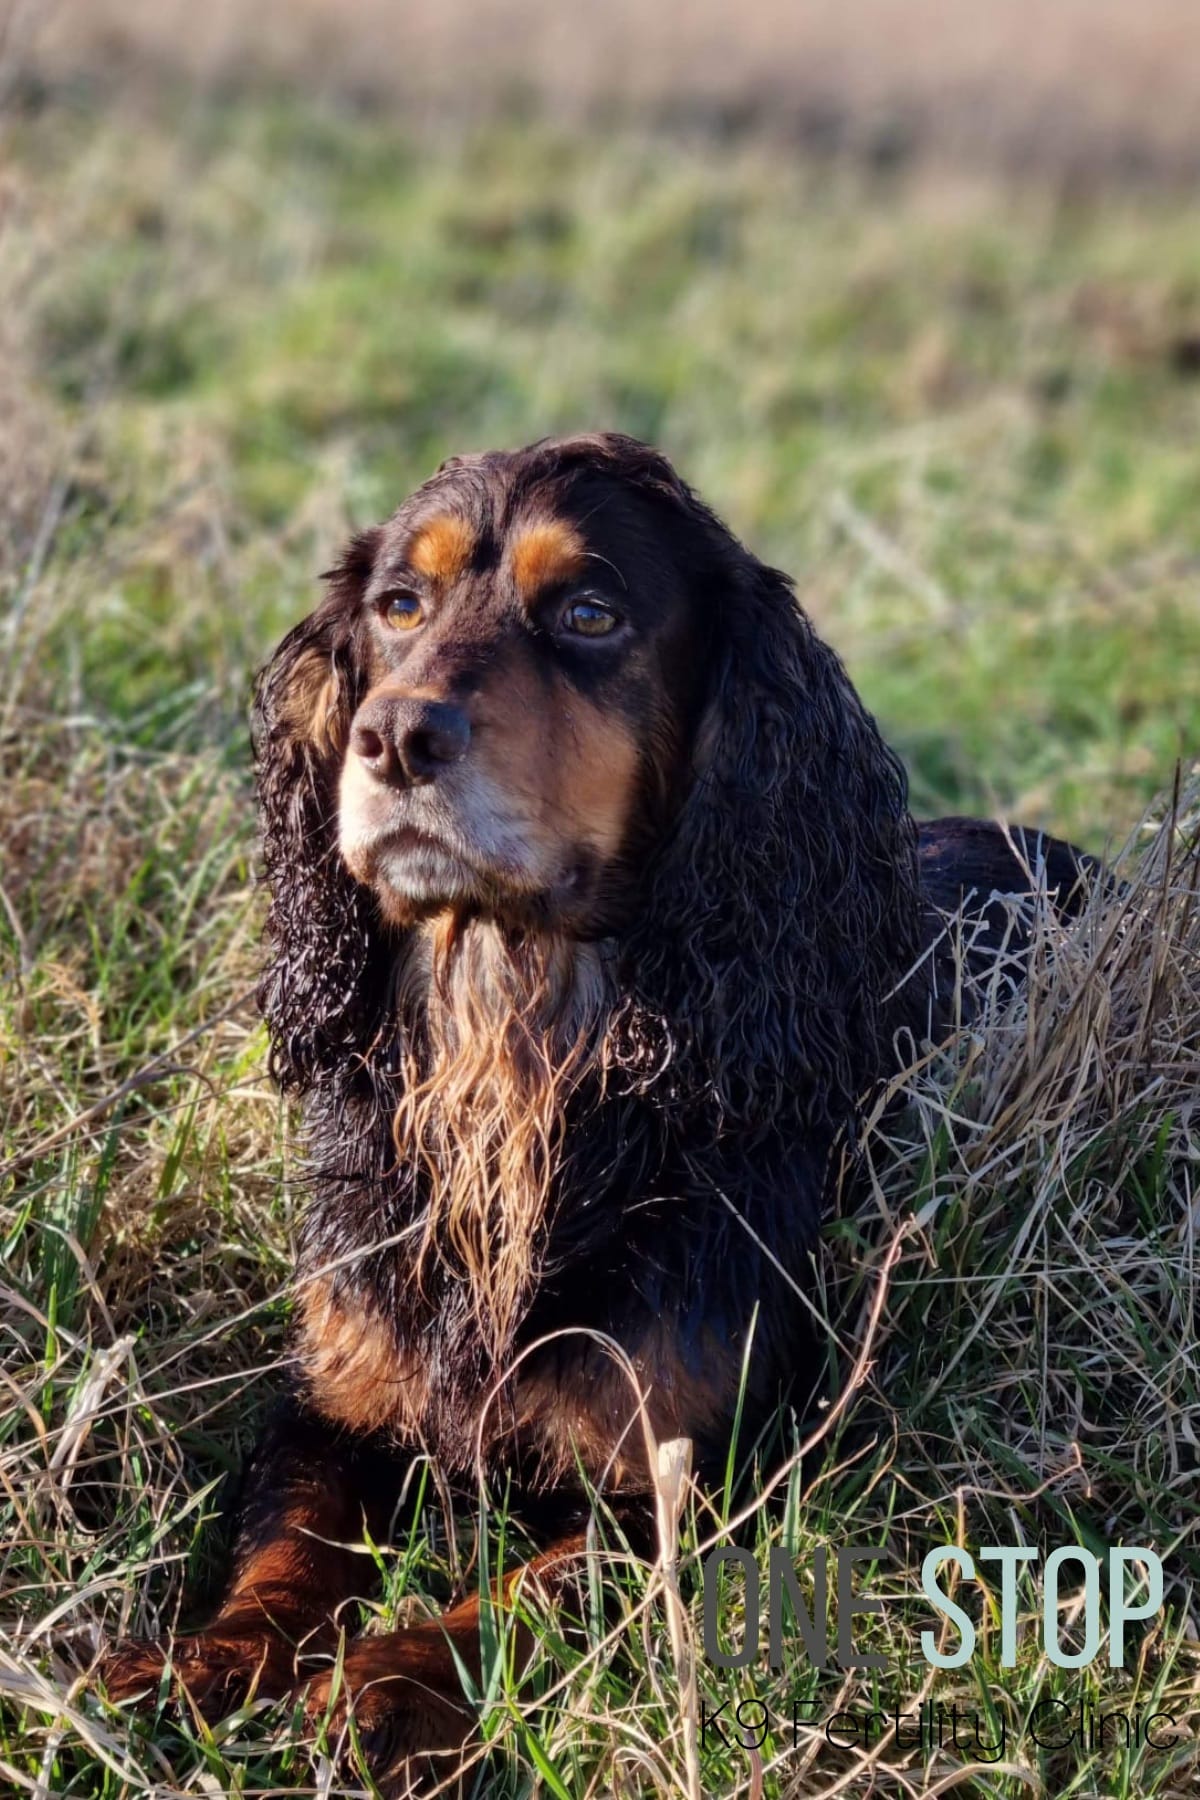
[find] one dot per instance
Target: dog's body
(597, 911)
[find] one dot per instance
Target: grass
(964, 415)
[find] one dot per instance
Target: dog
(597, 910)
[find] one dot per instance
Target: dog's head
(555, 691)
(530, 644)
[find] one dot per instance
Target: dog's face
(555, 692)
(530, 657)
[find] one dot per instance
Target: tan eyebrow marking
(442, 548)
(545, 553)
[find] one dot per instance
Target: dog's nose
(406, 742)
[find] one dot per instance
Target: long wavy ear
(785, 907)
(323, 989)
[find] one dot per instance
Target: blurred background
(1083, 84)
(909, 289)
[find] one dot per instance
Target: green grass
(961, 416)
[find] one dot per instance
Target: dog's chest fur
(419, 1266)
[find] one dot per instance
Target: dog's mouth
(436, 861)
(409, 841)
(418, 869)
(422, 865)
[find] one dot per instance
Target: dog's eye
(403, 612)
(588, 618)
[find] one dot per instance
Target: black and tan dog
(595, 897)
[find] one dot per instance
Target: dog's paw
(404, 1703)
(217, 1670)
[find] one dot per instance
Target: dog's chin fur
(416, 885)
(430, 884)
(504, 1026)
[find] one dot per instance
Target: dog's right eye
(403, 612)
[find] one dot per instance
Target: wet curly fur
(751, 984)
(526, 1112)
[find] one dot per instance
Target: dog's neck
(464, 976)
(501, 1030)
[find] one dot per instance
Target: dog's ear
(321, 991)
(784, 908)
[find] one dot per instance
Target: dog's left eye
(588, 618)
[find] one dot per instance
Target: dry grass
(1061, 1132)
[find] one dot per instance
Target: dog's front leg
(405, 1689)
(306, 1493)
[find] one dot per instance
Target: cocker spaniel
(597, 910)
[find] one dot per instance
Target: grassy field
(966, 416)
